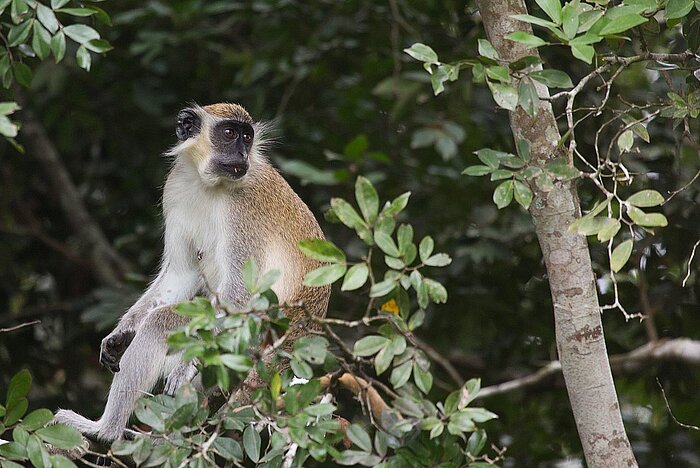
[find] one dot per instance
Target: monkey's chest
(200, 240)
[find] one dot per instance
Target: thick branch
(109, 265)
(680, 350)
(578, 325)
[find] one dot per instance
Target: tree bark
(579, 329)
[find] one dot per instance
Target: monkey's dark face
(231, 142)
(229, 145)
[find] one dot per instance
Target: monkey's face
(219, 145)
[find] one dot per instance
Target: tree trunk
(579, 329)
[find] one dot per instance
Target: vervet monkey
(223, 203)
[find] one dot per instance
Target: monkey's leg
(143, 363)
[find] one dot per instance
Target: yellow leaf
(391, 306)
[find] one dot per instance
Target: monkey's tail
(81, 423)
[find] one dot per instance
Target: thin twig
(663, 394)
(21, 325)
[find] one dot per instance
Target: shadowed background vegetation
(346, 101)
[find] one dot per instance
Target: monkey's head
(220, 139)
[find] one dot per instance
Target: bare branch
(17, 327)
(680, 349)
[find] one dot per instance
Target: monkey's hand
(113, 347)
(184, 372)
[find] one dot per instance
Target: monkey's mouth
(233, 170)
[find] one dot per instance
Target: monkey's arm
(171, 286)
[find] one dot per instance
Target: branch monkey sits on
(223, 203)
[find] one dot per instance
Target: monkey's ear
(188, 124)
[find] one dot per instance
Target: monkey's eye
(230, 134)
(247, 137)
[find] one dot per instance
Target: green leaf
(56, 4)
(41, 41)
(367, 199)
(476, 442)
(523, 194)
(583, 52)
(422, 53)
(438, 260)
(570, 19)
(13, 451)
(19, 387)
(60, 436)
(426, 248)
(678, 8)
(503, 194)
(436, 291)
(487, 49)
(401, 374)
(382, 288)
(19, 33)
(497, 72)
(355, 277)
(8, 107)
(397, 205)
(37, 453)
(625, 141)
(552, 78)
(505, 96)
(227, 448)
(82, 12)
(82, 57)
(477, 170)
(423, 378)
(646, 219)
(370, 345)
(608, 229)
(47, 17)
(98, 46)
(646, 198)
(622, 24)
(58, 46)
(322, 250)
(620, 255)
(22, 73)
(386, 243)
(320, 409)
(250, 274)
(251, 443)
(527, 97)
(525, 38)
(346, 213)
(324, 275)
(236, 362)
(359, 436)
(383, 360)
(535, 20)
(81, 33)
(36, 419)
(552, 8)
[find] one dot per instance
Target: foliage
(348, 102)
(513, 85)
(39, 30)
(295, 416)
(31, 431)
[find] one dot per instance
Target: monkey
(223, 203)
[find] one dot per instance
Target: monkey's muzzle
(232, 170)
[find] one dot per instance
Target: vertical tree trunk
(579, 329)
